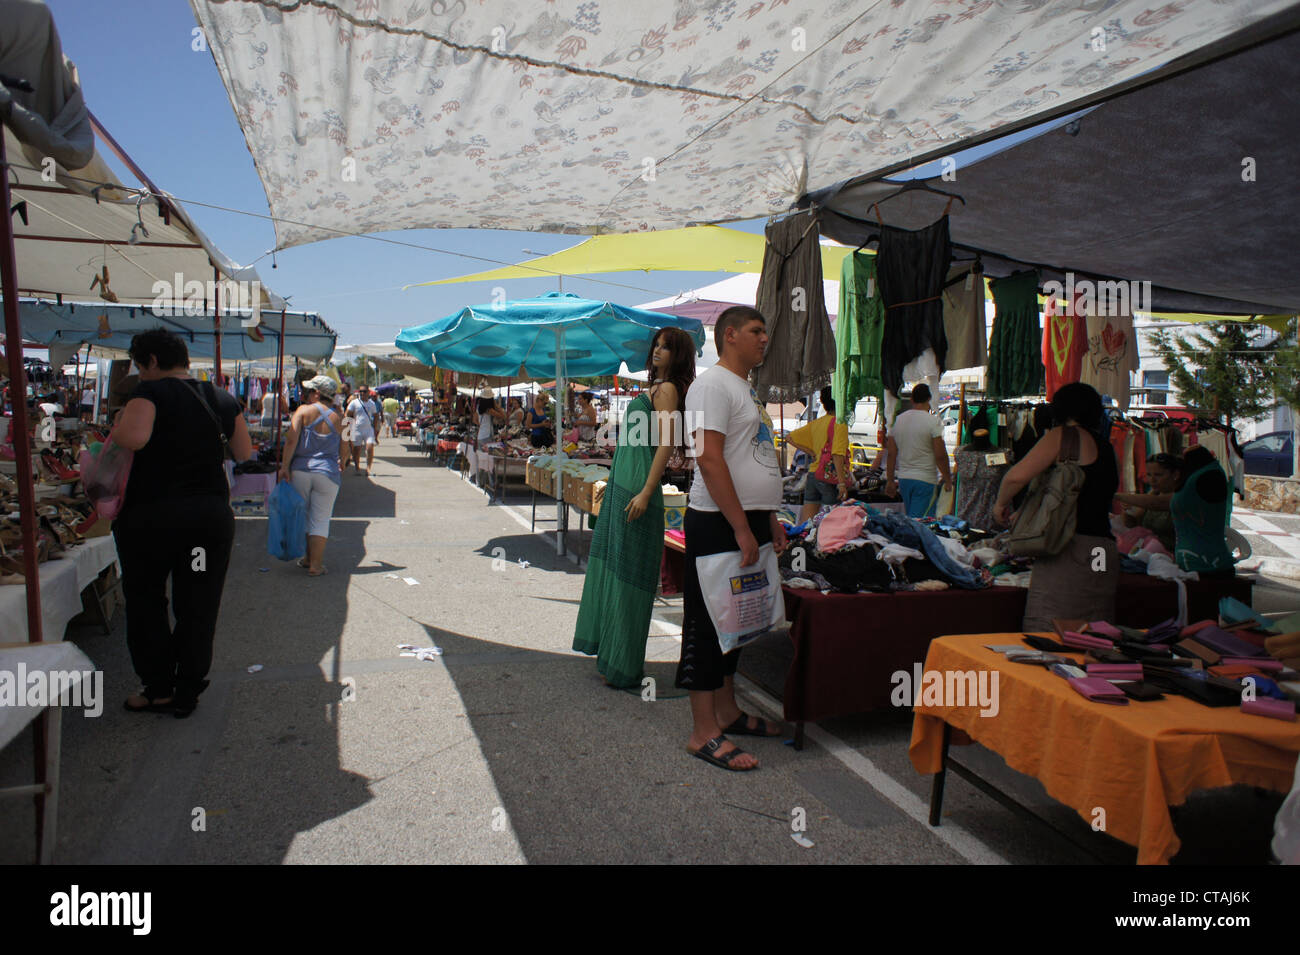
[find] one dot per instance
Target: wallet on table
(1098, 690)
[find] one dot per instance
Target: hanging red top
(1065, 342)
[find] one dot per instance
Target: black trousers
(188, 540)
(703, 665)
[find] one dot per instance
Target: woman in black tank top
(1081, 580)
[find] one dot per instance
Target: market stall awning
(1186, 184)
(697, 249)
(553, 333)
(585, 117)
(111, 326)
(78, 218)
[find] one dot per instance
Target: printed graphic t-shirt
(1065, 344)
(1112, 356)
(720, 400)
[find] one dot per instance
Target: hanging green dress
(623, 566)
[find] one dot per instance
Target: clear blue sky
(166, 106)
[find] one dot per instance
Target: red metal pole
(18, 393)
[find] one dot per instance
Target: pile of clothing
(853, 547)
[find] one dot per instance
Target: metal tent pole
(216, 318)
(279, 379)
(559, 436)
(18, 392)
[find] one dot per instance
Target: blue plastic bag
(286, 523)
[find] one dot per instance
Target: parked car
(1163, 411)
(1270, 455)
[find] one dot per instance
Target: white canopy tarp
(587, 116)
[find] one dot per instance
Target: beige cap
(322, 383)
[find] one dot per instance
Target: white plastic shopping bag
(743, 602)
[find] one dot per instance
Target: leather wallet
(1104, 629)
(1064, 626)
(1110, 671)
(1098, 690)
(1277, 709)
(1083, 642)
(1259, 663)
(1140, 691)
(1227, 644)
(1043, 643)
(1194, 648)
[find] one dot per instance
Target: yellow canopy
(705, 248)
(1276, 322)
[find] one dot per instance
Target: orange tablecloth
(1133, 761)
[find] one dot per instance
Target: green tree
(1220, 371)
(1284, 376)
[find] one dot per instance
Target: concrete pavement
(508, 748)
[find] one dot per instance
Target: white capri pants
(319, 491)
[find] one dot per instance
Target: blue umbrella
(556, 334)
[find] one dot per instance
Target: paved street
(508, 748)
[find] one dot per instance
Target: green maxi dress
(623, 566)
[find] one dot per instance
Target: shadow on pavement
(255, 765)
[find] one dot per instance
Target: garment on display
(801, 350)
(1112, 356)
(912, 267)
(963, 316)
(1015, 360)
(1065, 343)
(860, 327)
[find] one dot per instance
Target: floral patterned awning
(591, 116)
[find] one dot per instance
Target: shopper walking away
(391, 407)
(627, 546)
(732, 506)
(175, 521)
(274, 403)
(1080, 581)
(916, 453)
(311, 462)
(365, 433)
(827, 440)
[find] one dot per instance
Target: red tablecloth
(846, 646)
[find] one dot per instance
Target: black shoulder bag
(221, 431)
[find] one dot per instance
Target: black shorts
(703, 665)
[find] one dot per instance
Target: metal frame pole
(18, 393)
(279, 377)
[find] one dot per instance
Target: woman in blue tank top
(311, 462)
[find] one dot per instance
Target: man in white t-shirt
(732, 506)
(273, 404)
(363, 411)
(917, 451)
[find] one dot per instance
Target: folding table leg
(936, 784)
(48, 736)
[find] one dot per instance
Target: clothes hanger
(912, 185)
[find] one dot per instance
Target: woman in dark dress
(175, 521)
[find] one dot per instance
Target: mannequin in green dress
(627, 547)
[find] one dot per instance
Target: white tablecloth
(38, 656)
(62, 582)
